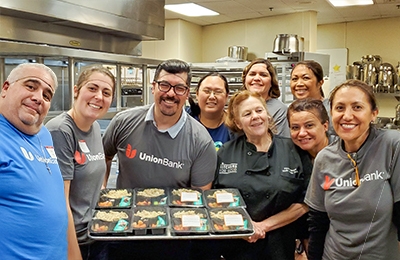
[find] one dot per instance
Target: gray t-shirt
(151, 158)
(361, 224)
(278, 112)
(81, 159)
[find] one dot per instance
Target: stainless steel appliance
(283, 65)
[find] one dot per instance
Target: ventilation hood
(116, 26)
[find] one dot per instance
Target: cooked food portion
(111, 216)
(181, 213)
(178, 192)
(214, 195)
(117, 194)
(151, 193)
(149, 214)
(221, 214)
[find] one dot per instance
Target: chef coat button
(247, 196)
(249, 153)
(267, 196)
(268, 173)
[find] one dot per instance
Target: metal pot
(237, 52)
(286, 43)
(371, 65)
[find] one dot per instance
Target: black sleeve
(396, 218)
(318, 225)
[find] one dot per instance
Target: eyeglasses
(357, 177)
(165, 86)
(215, 92)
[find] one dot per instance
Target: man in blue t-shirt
(32, 204)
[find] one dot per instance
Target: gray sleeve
(64, 147)
(315, 196)
(395, 173)
(203, 168)
(282, 125)
(110, 136)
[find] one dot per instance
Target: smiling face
(94, 97)
(169, 104)
(252, 118)
(351, 116)
(307, 131)
(25, 102)
(304, 83)
(211, 95)
(258, 79)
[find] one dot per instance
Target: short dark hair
(174, 66)
(315, 106)
(274, 91)
(194, 107)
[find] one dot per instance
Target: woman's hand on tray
(259, 233)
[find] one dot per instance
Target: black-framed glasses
(165, 86)
(357, 175)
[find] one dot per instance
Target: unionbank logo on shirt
(80, 158)
(131, 153)
(330, 183)
(28, 155)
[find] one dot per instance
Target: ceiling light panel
(190, 9)
(340, 3)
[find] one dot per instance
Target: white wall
(194, 43)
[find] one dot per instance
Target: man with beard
(160, 145)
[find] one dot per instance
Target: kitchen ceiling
(236, 10)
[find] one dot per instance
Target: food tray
(189, 221)
(115, 198)
(185, 197)
(230, 220)
(150, 220)
(151, 197)
(223, 198)
(103, 222)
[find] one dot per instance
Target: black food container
(230, 221)
(189, 221)
(151, 197)
(115, 199)
(150, 220)
(223, 198)
(185, 197)
(111, 222)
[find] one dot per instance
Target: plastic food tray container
(230, 221)
(223, 198)
(111, 222)
(150, 220)
(185, 197)
(115, 199)
(151, 197)
(189, 221)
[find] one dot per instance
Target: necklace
(44, 158)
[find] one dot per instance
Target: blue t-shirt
(32, 202)
(220, 135)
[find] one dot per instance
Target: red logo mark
(80, 158)
(328, 182)
(130, 153)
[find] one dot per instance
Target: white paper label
(83, 146)
(233, 220)
(50, 150)
(191, 221)
(189, 196)
(224, 197)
